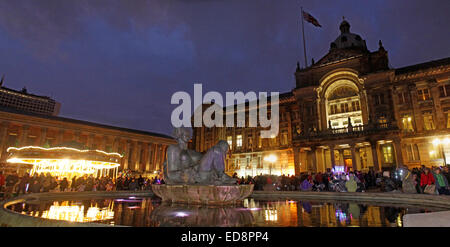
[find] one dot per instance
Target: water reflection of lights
(271, 214)
(75, 213)
(342, 216)
(181, 214)
(127, 200)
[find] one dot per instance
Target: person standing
(441, 183)
(23, 184)
(426, 179)
(11, 181)
(63, 185)
(2, 181)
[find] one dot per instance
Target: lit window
(448, 119)
(239, 141)
(388, 154)
(230, 141)
(407, 123)
(434, 152)
(412, 151)
(423, 94)
(428, 121)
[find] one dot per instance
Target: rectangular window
(284, 137)
(448, 119)
(239, 141)
(428, 121)
(230, 141)
(388, 156)
(413, 152)
(250, 141)
(444, 91)
(434, 153)
(403, 98)
(407, 123)
(423, 94)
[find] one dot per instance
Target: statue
(185, 166)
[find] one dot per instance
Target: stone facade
(144, 152)
(397, 116)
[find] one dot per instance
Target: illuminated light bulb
(436, 141)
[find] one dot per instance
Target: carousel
(65, 161)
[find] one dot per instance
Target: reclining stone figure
(185, 166)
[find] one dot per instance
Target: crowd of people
(432, 180)
(421, 180)
(13, 184)
(309, 181)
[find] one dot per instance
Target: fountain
(195, 178)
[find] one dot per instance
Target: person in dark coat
(63, 185)
(11, 181)
(23, 184)
(35, 187)
(133, 185)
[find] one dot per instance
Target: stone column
(3, 138)
(24, 135)
(333, 159)
(147, 156)
(103, 141)
(376, 165)
(398, 152)
(417, 114)
(115, 146)
(314, 158)
(358, 159)
(439, 118)
(43, 137)
(137, 164)
(155, 156)
(341, 157)
(127, 154)
(90, 141)
(60, 136)
(364, 106)
(355, 166)
(296, 160)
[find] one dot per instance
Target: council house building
(348, 111)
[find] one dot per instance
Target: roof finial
(343, 18)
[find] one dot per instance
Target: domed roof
(348, 39)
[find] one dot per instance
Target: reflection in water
(183, 215)
(149, 212)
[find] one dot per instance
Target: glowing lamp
(436, 141)
(271, 158)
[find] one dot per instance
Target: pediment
(338, 55)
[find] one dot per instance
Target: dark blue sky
(119, 62)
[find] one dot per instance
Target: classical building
(350, 110)
(143, 152)
(24, 101)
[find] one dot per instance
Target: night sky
(119, 62)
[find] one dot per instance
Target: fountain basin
(203, 194)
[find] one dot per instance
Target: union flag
(309, 18)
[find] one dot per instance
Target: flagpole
(303, 32)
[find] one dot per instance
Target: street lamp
(272, 159)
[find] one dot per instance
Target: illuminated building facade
(24, 101)
(143, 152)
(349, 111)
